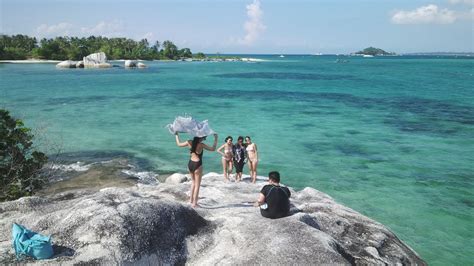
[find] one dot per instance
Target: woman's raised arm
(179, 143)
(213, 148)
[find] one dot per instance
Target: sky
(255, 26)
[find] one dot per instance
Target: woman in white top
(252, 155)
(227, 156)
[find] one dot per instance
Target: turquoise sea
(391, 137)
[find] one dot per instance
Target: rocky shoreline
(131, 63)
(149, 224)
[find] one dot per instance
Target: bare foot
(196, 205)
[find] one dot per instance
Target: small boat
(367, 55)
(282, 56)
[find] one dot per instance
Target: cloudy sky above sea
(255, 26)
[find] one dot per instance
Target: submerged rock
(97, 60)
(155, 225)
(67, 64)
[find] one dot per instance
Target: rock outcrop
(176, 178)
(130, 63)
(80, 64)
(156, 225)
(67, 64)
(97, 60)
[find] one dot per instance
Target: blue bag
(27, 242)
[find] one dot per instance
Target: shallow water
(390, 137)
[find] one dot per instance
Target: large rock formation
(156, 225)
(97, 60)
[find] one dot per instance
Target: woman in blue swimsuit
(195, 162)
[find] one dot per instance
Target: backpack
(29, 243)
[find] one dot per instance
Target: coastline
(249, 59)
(47, 61)
(31, 61)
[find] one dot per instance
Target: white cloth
(191, 126)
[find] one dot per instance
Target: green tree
(185, 53)
(20, 164)
(156, 46)
(16, 46)
(200, 55)
(49, 49)
(170, 50)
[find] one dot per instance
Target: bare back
(196, 156)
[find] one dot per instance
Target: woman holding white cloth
(195, 162)
(199, 130)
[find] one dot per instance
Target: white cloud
(62, 29)
(254, 25)
(103, 28)
(429, 14)
(469, 15)
(467, 2)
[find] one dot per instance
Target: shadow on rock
(62, 251)
(235, 205)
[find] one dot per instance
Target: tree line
(19, 47)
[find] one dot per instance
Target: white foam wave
(245, 59)
(77, 166)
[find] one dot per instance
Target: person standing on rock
(252, 155)
(274, 200)
(227, 156)
(239, 158)
(195, 162)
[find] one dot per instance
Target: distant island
(373, 52)
(21, 47)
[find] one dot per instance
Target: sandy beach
(30, 61)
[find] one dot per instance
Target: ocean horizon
(391, 137)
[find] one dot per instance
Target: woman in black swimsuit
(195, 162)
(239, 158)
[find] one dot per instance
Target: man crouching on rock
(274, 200)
